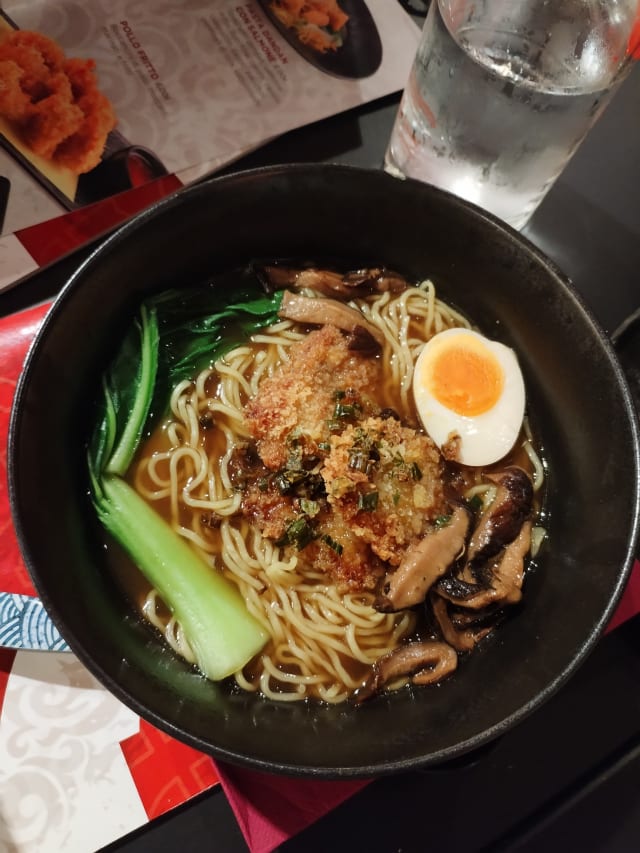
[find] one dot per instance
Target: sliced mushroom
(330, 283)
(505, 576)
(509, 573)
(376, 280)
(463, 619)
(461, 640)
(455, 588)
(423, 563)
(424, 663)
(503, 520)
(322, 312)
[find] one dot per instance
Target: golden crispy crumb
(380, 482)
(405, 484)
(301, 394)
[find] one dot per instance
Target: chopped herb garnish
(294, 458)
(303, 484)
(358, 460)
(441, 521)
(347, 405)
(343, 411)
(310, 508)
(286, 481)
(396, 498)
(294, 448)
(416, 473)
(324, 446)
(335, 546)
(299, 533)
(368, 502)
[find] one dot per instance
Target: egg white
(485, 438)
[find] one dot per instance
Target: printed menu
(102, 96)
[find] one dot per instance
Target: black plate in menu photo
(360, 52)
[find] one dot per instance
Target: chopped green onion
(335, 546)
(358, 460)
(310, 508)
(299, 533)
(286, 481)
(343, 411)
(300, 483)
(294, 459)
(368, 501)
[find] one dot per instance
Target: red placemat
(53, 238)
(16, 334)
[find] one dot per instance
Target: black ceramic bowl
(577, 397)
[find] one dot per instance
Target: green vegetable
(358, 460)
(123, 453)
(335, 546)
(303, 484)
(299, 532)
(177, 333)
(309, 508)
(128, 387)
(222, 634)
(368, 502)
(198, 325)
(344, 411)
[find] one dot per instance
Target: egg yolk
(466, 378)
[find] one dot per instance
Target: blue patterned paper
(25, 624)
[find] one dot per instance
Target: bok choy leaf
(176, 334)
(199, 325)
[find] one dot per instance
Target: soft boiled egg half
(469, 393)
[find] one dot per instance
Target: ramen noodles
(299, 467)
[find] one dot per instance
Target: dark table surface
(568, 777)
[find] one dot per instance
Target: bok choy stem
(222, 634)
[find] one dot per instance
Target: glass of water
(502, 92)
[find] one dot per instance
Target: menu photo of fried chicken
(54, 118)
